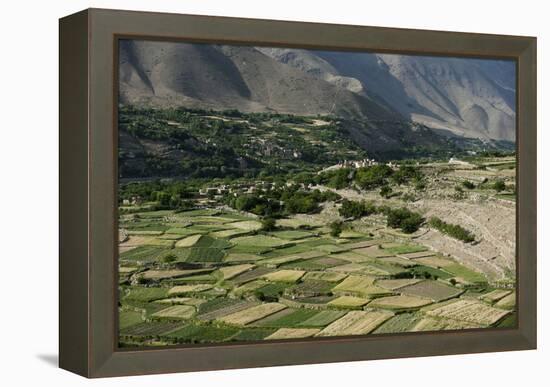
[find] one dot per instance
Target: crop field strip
(356, 323)
(252, 314)
(470, 311)
(433, 290)
(292, 333)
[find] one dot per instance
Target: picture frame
(88, 189)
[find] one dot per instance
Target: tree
(301, 204)
(411, 223)
(268, 224)
(335, 229)
(246, 202)
(404, 219)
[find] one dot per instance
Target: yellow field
(353, 257)
(435, 261)
(349, 302)
(188, 241)
(181, 301)
(399, 302)
(135, 240)
(176, 312)
(507, 302)
(470, 311)
(189, 288)
(356, 323)
(393, 284)
(248, 287)
(325, 276)
(126, 269)
(285, 275)
(292, 333)
(495, 295)
(360, 285)
(229, 272)
(162, 274)
(373, 252)
(438, 324)
(252, 314)
(349, 268)
(248, 225)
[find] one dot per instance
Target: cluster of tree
(355, 210)
(282, 201)
(453, 230)
(254, 203)
(496, 153)
(407, 173)
(337, 179)
(373, 176)
(151, 190)
(399, 218)
(164, 195)
(408, 221)
(214, 143)
(370, 177)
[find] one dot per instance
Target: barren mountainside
(459, 96)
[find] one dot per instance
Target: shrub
(420, 185)
(335, 229)
(408, 197)
(468, 184)
(386, 191)
(499, 185)
(168, 258)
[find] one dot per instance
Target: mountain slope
(231, 77)
(458, 96)
(468, 97)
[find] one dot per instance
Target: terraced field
(213, 275)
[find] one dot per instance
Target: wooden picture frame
(88, 158)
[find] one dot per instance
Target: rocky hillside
(229, 77)
(458, 96)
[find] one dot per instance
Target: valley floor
(213, 274)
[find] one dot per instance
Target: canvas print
(270, 193)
